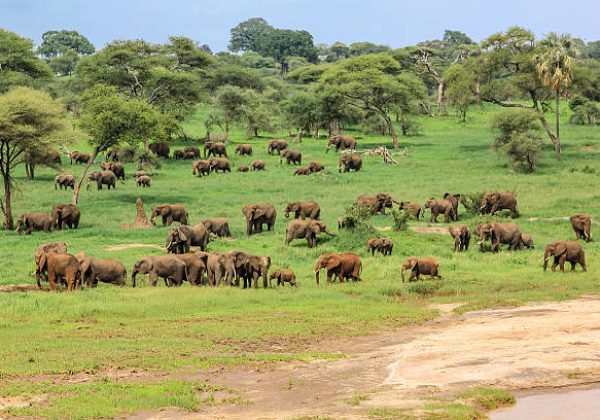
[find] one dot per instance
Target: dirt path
(547, 345)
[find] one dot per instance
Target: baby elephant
(94, 270)
(143, 181)
(428, 266)
(258, 165)
(462, 237)
(283, 276)
(562, 252)
(303, 171)
(383, 245)
(243, 168)
(527, 241)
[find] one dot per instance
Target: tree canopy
(55, 43)
(18, 62)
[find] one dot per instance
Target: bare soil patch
(437, 230)
(128, 246)
(10, 288)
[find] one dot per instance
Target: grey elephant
(303, 209)
(180, 239)
(376, 202)
(341, 143)
(257, 215)
(494, 201)
(196, 264)
(418, 266)
(350, 162)
(527, 241)
(382, 245)
(283, 276)
(243, 149)
(562, 252)
(455, 200)
(217, 269)
(168, 267)
(302, 171)
(582, 225)
(170, 213)
(462, 237)
(305, 229)
(235, 266)
(438, 207)
(500, 233)
(160, 149)
(116, 168)
(143, 181)
(201, 167)
(219, 164)
(47, 248)
(101, 178)
(64, 181)
(257, 266)
(316, 167)
(413, 208)
(218, 226)
(257, 165)
(28, 222)
(94, 270)
(212, 148)
(65, 215)
(276, 146)
(291, 156)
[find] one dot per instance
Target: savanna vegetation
(512, 113)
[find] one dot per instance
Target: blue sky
(392, 22)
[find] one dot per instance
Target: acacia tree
(110, 119)
(19, 64)
(374, 83)
(30, 122)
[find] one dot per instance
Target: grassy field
(167, 330)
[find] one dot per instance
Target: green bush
(472, 202)
(510, 121)
(523, 150)
(400, 219)
(424, 288)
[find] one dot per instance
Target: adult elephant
(291, 156)
(462, 237)
(417, 266)
(94, 270)
(562, 252)
(219, 164)
(201, 167)
(341, 143)
(350, 162)
(257, 215)
(218, 226)
(376, 202)
(235, 266)
(276, 146)
(191, 152)
(438, 207)
(160, 149)
(101, 178)
(117, 168)
(180, 239)
(47, 248)
(343, 266)
(382, 245)
(455, 200)
(582, 225)
(113, 154)
(168, 267)
(212, 148)
(303, 209)
(305, 229)
(196, 264)
(500, 233)
(65, 215)
(256, 266)
(413, 208)
(79, 157)
(217, 269)
(34, 221)
(494, 201)
(170, 213)
(64, 181)
(60, 267)
(243, 149)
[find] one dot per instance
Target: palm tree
(554, 63)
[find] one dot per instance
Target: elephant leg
(169, 220)
(562, 261)
(572, 265)
(153, 277)
(494, 208)
(582, 263)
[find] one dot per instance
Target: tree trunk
(7, 206)
(557, 143)
(83, 173)
(440, 96)
(390, 125)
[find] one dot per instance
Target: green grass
(174, 329)
(489, 398)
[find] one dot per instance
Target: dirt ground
(542, 346)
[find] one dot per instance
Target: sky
(395, 23)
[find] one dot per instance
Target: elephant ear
(413, 263)
(561, 248)
(258, 213)
(332, 263)
(315, 227)
(42, 261)
(247, 212)
(182, 235)
(165, 210)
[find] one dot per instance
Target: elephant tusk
(480, 242)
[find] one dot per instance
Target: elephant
(302, 171)
(438, 207)
(345, 223)
(376, 202)
(34, 221)
(170, 213)
(462, 237)
(256, 266)
(291, 156)
(60, 267)
(168, 267)
(160, 149)
(107, 178)
(140, 173)
(50, 247)
(235, 263)
(218, 226)
(276, 146)
(94, 270)
(350, 162)
(383, 245)
(413, 208)
(309, 229)
(257, 215)
(303, 209)
(178, 154)
(219, 164)
(113, 154)
(494, 201)
(257, 165)
(116, 167)
(454, 199)
(196, 264)
(201, 167)
(582, 224)
(220, 267)
(143, 181)
(562, 252)
(426, 266)
(214, 149)
(341, 143)
(64, 181)
(180, 239)
(243, 149)
(283, 276)
(343, 266)
(191, 152)
(65, 215)
(243, 168)
(316, 167)
(79, 157)
(500, 233)
(527, 241)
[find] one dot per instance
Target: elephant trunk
(402, 274)
(328, 232)
(317, 273)
(133, 274)
(546, 258)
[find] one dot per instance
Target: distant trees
(31, 122)
(19, 64)
(55, 43)
(461, 87)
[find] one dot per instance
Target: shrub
(400, 219)
(472, 202)
(424, 288)
(359, 229)
(146, 159)
(513, 120)
(523, 150)
(584, 111)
